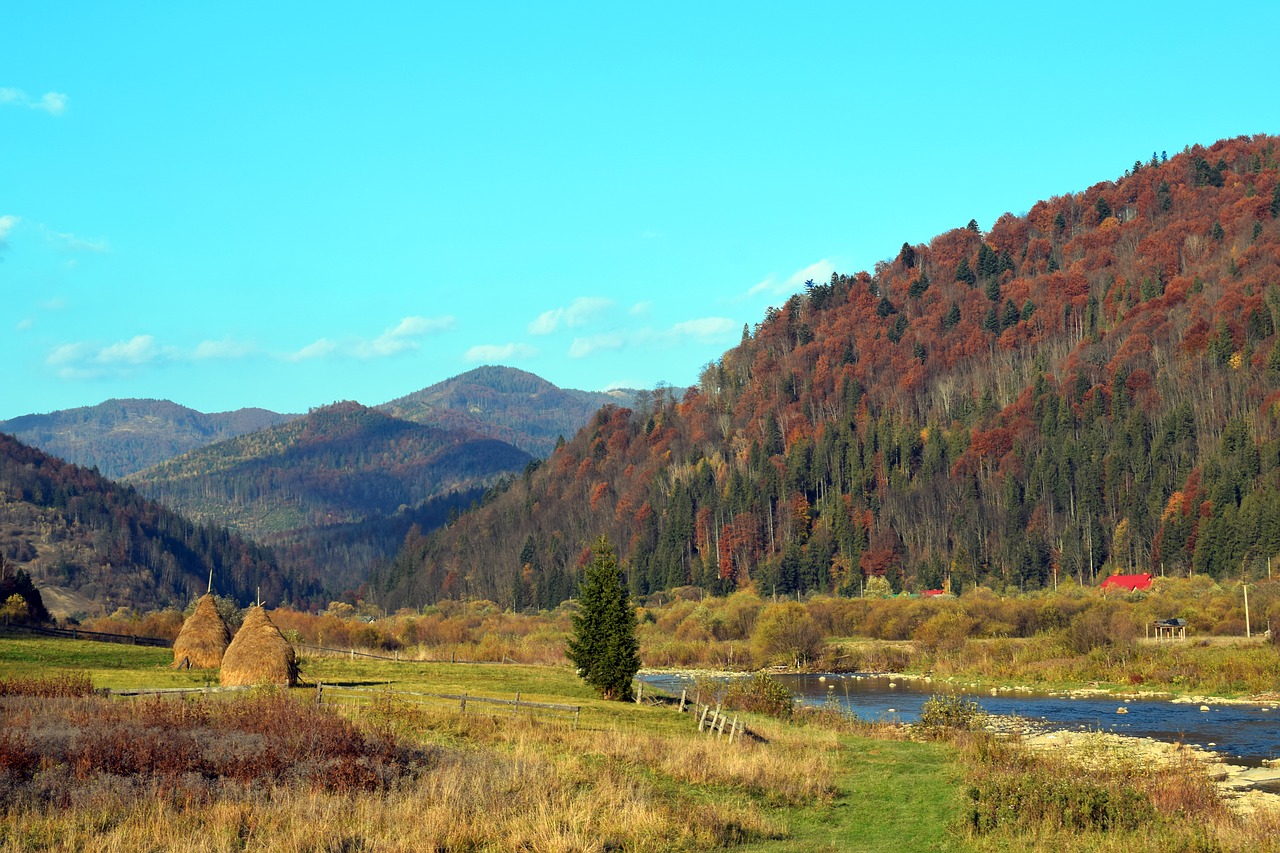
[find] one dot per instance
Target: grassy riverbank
(91, 773)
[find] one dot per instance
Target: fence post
(703, 719)
(515, 709)
(720, 731)
(733, 730)
(639, 691)
(319, 693)
(576, 712)
(462, 708)
(683, 694)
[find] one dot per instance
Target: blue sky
(283, 205)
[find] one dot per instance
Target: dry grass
(1099, 795)
(94, 774)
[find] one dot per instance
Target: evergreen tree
(604, 646)
(965, 273)
(952, 318)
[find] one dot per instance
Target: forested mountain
(76, 532)
(310, 485)
(508, 404)
(1088, 386)
(119, 437)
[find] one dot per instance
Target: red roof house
(1127, 583)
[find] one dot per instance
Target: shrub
(785, 633)
(760, 694)
(943, 714)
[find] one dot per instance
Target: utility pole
(1247, 632)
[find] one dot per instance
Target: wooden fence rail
(168, 691)
(353, 654)
(328, 694)
(710, 720)
(97, 636)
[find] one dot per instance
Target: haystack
(259, 654)
(203, 638)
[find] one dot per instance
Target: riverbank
(1245, 790)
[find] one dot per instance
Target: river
(1242, 734)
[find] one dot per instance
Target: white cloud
(317, 349)
(819, 271)
(704, 328)
(72, 243)
(53, 103)
(490, 353)
(69, 354)
(6, 225)
(578, 313)
(401, 338)
(57, 303)
(583, 347)
(86, 360)
(405, 336)
(25, 323)
(225, 349)
(140, 349)
(641, 309)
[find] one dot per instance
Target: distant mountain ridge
(121, 436)
(335, 468)
(513, 405)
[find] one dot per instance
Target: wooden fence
(395, 656)
(712, 721)
(98, 636)
(167, 691)
(331, 694)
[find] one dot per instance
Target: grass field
(216, 773)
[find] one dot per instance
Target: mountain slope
(89, 539)
(1090, 386)
(508, 404)
(119, 437)
(335, 467)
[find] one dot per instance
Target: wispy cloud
(53, 103)
(405, 336)
(490, 353)
(578, 313)
(402, 337)
(86, 360)
(583, 347)
(226, 349)
(316, 349)
(6, 225)
(820, 272)
(72, 243)
(140, 349)
(702, 330)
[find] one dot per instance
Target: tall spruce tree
(604, 646)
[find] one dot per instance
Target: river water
(1243, 734)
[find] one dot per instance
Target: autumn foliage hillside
(71, 529)
(1086, 387)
